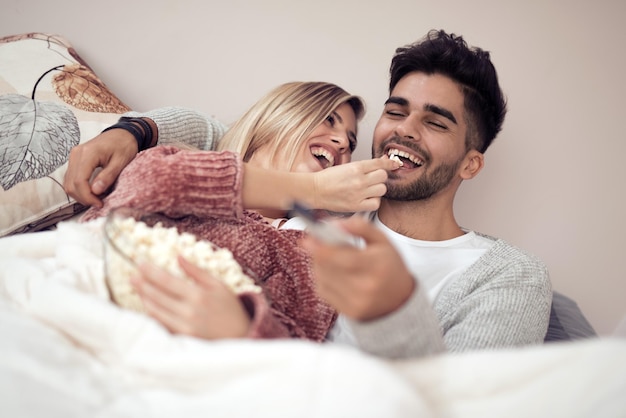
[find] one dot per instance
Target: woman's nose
(342, 142)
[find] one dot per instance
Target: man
(445, 108)
(422, 284)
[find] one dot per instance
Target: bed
(66, 350)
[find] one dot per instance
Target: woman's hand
(112, 151)
(353, 187)
(203, 308)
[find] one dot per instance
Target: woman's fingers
(353, 187)
(201, 306)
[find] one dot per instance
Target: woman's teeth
(322, 153)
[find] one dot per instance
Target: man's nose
(406, 129)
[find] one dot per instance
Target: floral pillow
(50, 101)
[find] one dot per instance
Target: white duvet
(66, 351)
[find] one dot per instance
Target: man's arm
(95, 165)
(503, 300)
(103, 158)
(385, 307)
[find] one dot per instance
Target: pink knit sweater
(200, 192)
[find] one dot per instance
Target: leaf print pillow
(50, 101)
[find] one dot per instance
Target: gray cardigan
(502, 300)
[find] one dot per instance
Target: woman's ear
(472, 164)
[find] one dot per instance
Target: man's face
(423, 123)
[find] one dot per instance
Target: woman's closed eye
(353, 143)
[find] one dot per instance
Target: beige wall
(553, 180)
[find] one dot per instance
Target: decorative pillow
(50, 101)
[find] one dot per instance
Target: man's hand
(353, 187)
(205, 308)
(112, 151)
(361, 283)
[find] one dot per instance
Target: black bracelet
(136, 131)
(147, 130)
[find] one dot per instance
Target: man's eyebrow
(397, 100)
(428, 107)
(440, 111)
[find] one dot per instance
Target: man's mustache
(425, 156)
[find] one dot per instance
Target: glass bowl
(133, 237)
(120, 263)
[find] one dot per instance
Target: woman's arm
(179, 183)
(217, 184)
(353, 187)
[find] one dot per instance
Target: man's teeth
(395, 154)
(396, 158)
(321, 152)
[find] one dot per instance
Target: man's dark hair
(449, 55)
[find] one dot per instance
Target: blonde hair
(285, 117)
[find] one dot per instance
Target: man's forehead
(420, 89)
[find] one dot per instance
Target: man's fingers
(111, 150)
(76, 180)
(83, 194)
(105, 178)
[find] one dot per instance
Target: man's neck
(426, 220)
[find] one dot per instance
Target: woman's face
(330, 144)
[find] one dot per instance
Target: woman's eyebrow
(336, 115)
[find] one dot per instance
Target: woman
(298, 127)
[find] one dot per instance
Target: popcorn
(129, 241)
(394, 157)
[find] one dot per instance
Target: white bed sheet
(67, 351)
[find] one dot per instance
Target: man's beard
(424, 187)
(427, 185)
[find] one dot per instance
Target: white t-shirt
(433, 263)
(437, 263)
(292, 223)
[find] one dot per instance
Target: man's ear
(472, 164)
